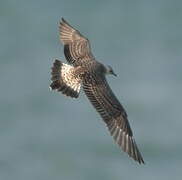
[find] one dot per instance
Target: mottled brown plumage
(91, 74)
(66, 79)
(76, 46)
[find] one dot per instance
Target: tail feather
(64, 79)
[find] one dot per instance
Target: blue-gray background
(44, 135)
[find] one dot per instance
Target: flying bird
(85, 71)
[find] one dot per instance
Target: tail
(64, 80)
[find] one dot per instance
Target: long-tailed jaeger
(84, 70)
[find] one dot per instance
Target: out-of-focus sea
(45, 135)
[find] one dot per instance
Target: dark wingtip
(63, 19)
(137, 157)
(142, 161)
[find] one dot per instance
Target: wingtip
(62, 19)
(138, 157)
(140, 161)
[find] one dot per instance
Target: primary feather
(76, 47)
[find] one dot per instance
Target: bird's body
(84, 70)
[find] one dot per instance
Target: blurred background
(45, 135)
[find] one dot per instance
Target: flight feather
(76, 46)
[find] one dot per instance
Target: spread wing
(76, 47)
(113, 114)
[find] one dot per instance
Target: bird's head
(109, 70)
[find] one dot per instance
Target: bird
(84, 71)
